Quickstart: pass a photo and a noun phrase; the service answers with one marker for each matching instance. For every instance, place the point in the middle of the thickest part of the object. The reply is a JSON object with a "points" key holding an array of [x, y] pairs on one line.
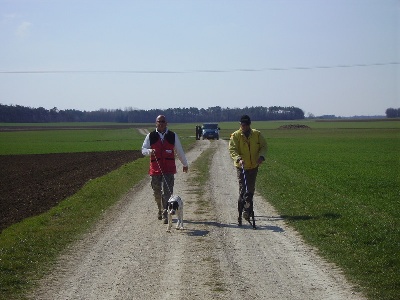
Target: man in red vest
{"points": [[162, 145]]}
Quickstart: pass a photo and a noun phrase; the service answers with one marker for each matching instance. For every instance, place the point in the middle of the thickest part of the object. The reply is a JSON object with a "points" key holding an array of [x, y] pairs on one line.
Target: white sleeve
{"points": [[179, 151], [146, 148]]}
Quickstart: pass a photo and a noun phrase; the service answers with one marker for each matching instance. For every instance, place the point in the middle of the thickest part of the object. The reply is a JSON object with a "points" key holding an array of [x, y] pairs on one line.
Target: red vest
{"points": [[165, 156]]}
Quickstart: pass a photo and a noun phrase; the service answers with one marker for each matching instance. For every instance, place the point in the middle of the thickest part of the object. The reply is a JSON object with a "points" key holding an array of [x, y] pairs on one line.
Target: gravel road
{"points": [[129, 255]]}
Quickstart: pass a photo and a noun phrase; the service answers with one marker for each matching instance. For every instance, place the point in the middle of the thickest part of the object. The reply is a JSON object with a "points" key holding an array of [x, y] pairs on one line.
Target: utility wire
{"points": [[198, 71]]}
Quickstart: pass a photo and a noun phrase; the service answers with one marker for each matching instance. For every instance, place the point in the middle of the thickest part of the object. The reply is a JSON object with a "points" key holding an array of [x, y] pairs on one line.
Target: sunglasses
{"points": [[161, 121]]}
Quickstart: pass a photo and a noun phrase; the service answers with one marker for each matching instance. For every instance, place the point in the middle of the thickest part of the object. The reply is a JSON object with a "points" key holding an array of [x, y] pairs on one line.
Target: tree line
{"points": [[22, 114]]}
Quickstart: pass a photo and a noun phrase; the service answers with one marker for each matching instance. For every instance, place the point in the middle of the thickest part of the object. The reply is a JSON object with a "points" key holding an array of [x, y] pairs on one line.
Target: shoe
{"points": [[159, 216], [165, 221]]}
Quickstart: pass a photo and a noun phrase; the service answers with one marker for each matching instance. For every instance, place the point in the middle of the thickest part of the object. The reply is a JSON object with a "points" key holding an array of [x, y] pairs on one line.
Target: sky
{"points": [[327, 57]]}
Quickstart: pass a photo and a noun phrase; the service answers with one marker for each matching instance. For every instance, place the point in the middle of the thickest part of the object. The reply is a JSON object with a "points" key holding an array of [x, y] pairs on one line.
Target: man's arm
{"points": [[180, 153], [146, 148], [233, 148], [262, 150], [263, 147]]}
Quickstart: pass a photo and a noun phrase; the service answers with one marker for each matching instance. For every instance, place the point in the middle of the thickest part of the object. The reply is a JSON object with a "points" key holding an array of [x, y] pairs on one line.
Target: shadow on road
{"points": [[229, 225]]}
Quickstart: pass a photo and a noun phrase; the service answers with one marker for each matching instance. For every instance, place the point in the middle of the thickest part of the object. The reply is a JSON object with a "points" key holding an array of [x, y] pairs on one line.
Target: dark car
{"points": [[210, 131]]}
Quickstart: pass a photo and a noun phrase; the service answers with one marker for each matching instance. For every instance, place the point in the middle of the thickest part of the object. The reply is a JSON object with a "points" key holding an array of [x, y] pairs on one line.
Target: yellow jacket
{"points": [[248, 149]]}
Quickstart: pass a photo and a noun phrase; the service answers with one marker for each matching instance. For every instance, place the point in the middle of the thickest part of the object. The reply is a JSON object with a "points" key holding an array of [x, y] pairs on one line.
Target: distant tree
{"points": [[393, 113], [311, 116]]}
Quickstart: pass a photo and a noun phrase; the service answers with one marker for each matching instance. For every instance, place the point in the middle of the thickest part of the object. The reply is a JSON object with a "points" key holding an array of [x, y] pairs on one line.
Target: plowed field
{"points": [[32, 184]]}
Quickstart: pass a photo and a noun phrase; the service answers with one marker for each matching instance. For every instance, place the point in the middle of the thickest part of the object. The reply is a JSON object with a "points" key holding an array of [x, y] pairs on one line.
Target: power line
{"points": [[198, 71]]}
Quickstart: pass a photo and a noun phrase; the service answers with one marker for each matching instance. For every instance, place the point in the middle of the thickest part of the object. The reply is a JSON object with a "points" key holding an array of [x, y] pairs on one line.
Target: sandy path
{"points": [[129, 255]]}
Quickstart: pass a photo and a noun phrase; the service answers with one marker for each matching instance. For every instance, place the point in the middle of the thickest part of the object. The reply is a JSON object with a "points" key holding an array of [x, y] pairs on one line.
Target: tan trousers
{"points": [[163, 187]]}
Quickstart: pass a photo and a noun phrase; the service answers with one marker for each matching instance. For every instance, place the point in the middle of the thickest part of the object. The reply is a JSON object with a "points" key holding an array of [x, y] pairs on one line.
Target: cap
{"points": [[245, 119]]}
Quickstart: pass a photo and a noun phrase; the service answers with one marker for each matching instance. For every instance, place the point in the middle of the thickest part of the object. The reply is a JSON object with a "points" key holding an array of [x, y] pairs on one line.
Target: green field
{"points": [[341, 189], [72, 140], [337, 183]]}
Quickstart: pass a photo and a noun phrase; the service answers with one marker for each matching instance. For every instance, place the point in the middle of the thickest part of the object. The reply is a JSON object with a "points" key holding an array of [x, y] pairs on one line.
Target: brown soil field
{"points": [[32, 184]]}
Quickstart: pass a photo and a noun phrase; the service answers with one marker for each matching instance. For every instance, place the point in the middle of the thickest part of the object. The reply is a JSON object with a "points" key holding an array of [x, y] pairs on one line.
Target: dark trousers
{"points": [[247, 179]]}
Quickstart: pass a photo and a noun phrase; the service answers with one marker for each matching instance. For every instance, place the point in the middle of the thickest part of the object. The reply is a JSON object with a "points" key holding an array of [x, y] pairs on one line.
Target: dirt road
{"points": [[131, 256]]}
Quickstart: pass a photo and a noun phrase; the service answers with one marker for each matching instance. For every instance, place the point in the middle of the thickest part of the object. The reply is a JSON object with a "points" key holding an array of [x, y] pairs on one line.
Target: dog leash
{"points": [[162, 173], [244, 177], [249, 204]]}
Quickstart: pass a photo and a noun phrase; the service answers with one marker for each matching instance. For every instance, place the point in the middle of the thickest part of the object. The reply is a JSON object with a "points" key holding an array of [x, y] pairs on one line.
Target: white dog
{"points": [[175, 207]]}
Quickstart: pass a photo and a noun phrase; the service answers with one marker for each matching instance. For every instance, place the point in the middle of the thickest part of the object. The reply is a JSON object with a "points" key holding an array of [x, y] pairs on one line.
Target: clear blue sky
{"points": [[336, 57]]}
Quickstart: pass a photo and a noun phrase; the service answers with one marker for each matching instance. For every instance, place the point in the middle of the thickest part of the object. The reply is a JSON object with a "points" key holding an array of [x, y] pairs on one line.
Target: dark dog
{"points": [[245, 207]]}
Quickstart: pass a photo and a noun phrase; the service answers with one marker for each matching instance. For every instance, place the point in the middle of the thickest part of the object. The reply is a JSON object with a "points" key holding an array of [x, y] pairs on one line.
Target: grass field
{"points": [[337, 183], [340, 187]]}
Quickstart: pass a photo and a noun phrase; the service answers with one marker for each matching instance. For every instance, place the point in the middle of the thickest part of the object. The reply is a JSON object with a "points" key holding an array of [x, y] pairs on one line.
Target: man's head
{"points": [[161, 123], [245, 122]]}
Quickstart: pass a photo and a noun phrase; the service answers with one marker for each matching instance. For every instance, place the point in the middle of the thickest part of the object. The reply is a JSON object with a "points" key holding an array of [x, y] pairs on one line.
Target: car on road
{"points": [[210, 131]]}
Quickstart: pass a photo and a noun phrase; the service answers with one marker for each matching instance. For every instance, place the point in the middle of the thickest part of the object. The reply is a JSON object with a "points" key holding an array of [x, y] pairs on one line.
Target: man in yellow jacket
{"points": [[247, 148]]}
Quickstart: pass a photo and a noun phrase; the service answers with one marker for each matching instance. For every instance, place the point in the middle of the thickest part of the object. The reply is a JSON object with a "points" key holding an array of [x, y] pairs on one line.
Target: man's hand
{"points": [[185, 169], [260, 160]]}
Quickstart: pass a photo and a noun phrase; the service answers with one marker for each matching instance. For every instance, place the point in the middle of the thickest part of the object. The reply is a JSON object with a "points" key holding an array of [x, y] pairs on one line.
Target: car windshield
{"points": [[210, 126]]}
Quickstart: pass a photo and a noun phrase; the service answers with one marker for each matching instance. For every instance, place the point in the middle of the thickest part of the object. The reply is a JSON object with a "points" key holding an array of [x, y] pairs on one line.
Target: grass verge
{"points": [[200, 168], [200, 179]]}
